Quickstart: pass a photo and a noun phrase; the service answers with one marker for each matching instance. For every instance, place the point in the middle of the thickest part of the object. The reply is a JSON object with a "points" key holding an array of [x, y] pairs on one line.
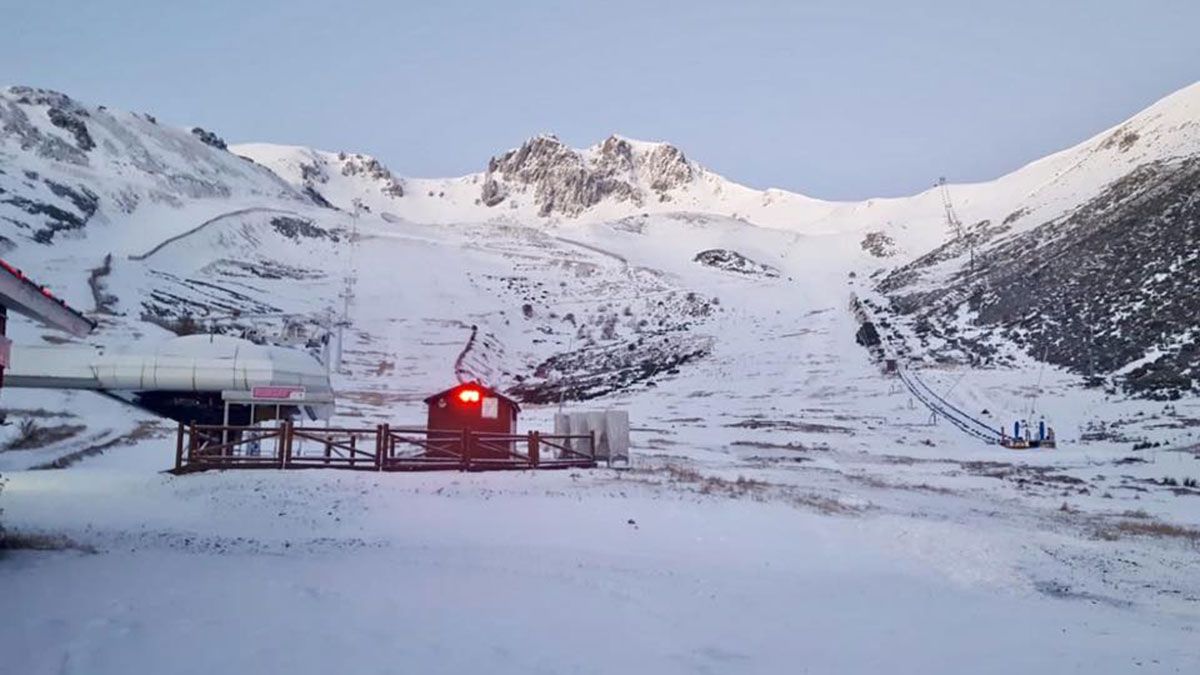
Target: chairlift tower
{"points": [[957, 231], [350, 280]]}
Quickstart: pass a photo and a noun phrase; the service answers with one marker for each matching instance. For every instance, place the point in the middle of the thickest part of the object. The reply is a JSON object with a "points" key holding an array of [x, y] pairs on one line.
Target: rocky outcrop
{"points": [[209, 138], [732, 261], [295, 229], [565, 181], [1108, 290], [354, 164], [879, 244], [63, 112]]}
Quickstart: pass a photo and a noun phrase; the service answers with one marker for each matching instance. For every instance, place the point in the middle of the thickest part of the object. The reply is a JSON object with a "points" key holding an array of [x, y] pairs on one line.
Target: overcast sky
{"points": [[836, 99]]}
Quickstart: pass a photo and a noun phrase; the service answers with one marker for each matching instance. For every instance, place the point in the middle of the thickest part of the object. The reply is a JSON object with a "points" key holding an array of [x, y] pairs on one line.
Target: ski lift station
{"points": [[208, 379]]}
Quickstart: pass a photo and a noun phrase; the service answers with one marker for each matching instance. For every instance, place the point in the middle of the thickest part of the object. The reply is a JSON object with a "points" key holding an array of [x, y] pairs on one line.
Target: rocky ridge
{"points": [[565, 181]]}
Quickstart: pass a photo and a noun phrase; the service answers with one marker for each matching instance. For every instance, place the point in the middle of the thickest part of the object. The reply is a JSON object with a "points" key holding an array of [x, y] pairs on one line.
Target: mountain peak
{"points": [[566, 181]]}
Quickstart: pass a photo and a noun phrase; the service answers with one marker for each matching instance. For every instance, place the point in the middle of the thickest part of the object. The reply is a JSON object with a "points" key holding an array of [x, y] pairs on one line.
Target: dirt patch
{"points": [[39, 413], [873, 481], [36, 541], [905, 460], [684, 477], [1147, 527], [765, 461], [144, 429], [376, 399], [1021, 475], [1062, 591], [793, 447], [791, 425], [31, 435]]}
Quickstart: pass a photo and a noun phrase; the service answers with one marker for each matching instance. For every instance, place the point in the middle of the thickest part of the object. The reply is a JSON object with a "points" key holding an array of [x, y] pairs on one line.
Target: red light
{"points": [[468, 395], [46, 292]]}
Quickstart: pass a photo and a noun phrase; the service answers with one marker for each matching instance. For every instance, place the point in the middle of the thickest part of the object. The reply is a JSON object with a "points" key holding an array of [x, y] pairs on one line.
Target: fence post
{"points": [[466, 449], [382, 433], [285, 444], [535, 438], [191, 446], [592, 444], [179, 448]]}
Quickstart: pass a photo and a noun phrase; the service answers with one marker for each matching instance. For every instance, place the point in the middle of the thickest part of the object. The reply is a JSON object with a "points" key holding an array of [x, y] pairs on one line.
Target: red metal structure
{"points": [[472, 407], [20, 294]]}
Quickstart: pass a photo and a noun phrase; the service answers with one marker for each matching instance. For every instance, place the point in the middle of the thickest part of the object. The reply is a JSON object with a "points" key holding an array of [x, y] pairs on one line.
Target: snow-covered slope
{"points": [[67, 168], [1080, 259], [332, 179], [251, 215]]}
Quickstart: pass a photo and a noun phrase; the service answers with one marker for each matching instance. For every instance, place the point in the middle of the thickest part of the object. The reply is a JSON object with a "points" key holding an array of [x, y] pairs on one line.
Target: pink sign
{"points": [[276, 393]]}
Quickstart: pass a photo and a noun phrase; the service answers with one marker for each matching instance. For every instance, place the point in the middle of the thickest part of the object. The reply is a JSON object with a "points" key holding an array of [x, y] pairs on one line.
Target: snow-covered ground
{"points": [[790, 508], [595, 571]]}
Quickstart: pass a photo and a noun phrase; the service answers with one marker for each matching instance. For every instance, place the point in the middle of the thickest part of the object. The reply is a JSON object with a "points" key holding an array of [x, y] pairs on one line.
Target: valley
{"points": [[778, 470]]}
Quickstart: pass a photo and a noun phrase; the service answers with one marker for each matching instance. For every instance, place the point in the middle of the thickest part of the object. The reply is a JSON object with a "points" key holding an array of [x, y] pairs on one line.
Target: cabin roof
{"points": [[474, 383]]}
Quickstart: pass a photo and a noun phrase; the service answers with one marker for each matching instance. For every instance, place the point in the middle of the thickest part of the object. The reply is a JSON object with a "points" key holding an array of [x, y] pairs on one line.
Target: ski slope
{"points": [[789, 507]]}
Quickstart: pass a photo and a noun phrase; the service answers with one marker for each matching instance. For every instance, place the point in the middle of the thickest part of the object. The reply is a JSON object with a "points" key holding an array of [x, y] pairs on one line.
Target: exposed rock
{"points": [[732, 261], [879, 244], [1107, 289], [564, 181], [317, 198], [295, 228], [73, 122], [71, 211], [354, 164], [867, 335], [493, 192], [16, 124], [209, 138]]}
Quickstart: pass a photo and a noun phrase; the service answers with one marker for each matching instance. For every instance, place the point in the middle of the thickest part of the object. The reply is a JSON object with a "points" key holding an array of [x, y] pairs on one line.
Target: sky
{"points": [[838, 99]]}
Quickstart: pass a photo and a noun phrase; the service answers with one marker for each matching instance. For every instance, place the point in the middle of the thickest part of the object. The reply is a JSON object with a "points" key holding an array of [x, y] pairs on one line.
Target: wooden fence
{"points": [[199, 447]]}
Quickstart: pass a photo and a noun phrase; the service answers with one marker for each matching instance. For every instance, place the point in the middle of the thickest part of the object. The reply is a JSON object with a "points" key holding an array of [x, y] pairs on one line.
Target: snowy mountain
{"points": [[729, 321], [192, 229], [943, 305], [330, 179], [67, 169], [1081, 259], [543, 180]]}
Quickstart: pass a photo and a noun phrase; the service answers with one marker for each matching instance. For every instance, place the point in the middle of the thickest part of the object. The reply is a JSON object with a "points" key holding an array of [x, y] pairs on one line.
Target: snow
{"points": [[310, 572], [860, 538]]}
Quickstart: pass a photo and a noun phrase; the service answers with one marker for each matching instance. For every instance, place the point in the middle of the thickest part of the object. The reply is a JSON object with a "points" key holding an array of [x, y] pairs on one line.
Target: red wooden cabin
{"points": [[473, 407]]}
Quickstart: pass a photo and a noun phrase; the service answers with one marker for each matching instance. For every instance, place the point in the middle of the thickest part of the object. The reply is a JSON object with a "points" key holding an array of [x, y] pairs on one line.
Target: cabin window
{"points": [[491, 407]]}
